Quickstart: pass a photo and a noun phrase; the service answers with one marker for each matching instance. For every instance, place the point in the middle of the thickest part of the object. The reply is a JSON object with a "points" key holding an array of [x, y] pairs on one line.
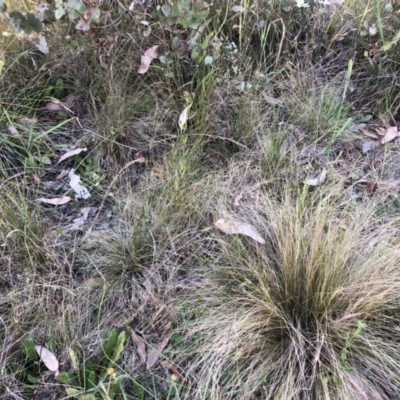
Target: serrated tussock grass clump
{"points": [[311, 314]]}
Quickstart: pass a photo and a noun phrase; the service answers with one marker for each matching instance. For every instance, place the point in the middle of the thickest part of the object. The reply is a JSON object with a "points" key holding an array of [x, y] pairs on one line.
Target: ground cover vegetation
{"points": [[199, 201]]}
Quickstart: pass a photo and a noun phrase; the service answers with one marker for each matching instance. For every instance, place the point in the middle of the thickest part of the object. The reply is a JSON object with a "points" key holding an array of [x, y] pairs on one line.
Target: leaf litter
{"points": [[56, 201], [47, 358], [391, 134], [147, 58], [71, 153], [232, 227], [80, 190], [156, 352], [141, 346]]}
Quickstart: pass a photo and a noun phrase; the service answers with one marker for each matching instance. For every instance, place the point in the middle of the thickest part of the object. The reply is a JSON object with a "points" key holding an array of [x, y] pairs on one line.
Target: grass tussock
{"points": [[267, 113], [310, 314]]}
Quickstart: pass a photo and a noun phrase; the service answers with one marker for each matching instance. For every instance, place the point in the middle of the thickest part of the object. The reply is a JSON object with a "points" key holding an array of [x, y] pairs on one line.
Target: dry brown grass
{"points": [[256, 321], [276, 316]]}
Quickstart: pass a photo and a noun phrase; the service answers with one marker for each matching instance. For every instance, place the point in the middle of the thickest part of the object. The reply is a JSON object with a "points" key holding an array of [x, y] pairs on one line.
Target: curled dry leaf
{"points": [[80, 190], [232, 227], [317, 181], [147, 58], [184, 117], [47, 358], [62, 174], [42, 45], [155, 353], [369, 134], [173, 368], [380, 131], [390, 134], [238, 198], [141, 346], [56, 201], [71, 153]]}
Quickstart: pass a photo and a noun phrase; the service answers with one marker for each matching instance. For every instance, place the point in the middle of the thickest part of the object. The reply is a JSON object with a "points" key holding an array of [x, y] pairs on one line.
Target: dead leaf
{"points": [[238, 198], [237, 9], [62, 174], [80, 190], [390, 134], [369, 189], [147, 58], [380, 131], [71, 153], [365, 147], [84, 216], [85, 212], [317, 181], [140, 160], [232, 227], [56, 201], [53, 106], [369, 134], [42, 45], [47, 358], [44, 160], [12, 129], [173, 368], [184, 117], [156, 352], [53, 185], [141, 346]]}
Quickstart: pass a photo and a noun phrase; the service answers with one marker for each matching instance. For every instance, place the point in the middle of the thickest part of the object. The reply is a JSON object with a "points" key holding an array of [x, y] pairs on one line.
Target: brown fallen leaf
{"points": [[380, 131], [62, 174], [141, 346], [56, 201], [156, 352], [317, 181], [47, 358], [71, 153], [232, 227], [238, 198], [173, 368], [390, 134], [369, 189], [369, 134], [147, 58]]}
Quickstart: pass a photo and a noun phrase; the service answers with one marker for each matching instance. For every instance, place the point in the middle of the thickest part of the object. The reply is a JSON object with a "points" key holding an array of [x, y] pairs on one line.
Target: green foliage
{"points": [[19, 22], [349, 338], [387, 46], [100, 378], [184, 12], [28, 372]]}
